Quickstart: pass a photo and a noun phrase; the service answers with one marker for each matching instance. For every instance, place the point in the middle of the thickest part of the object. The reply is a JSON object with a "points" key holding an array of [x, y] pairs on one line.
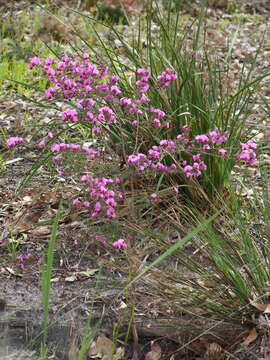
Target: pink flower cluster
{"points": [[106, 115], [75, 78], [212, 137], [194, 170], [131, 107], [70, 115], [22, 259], [103, 196], [248, 155], [166, 77], [119, 244], [183, 145], [13, 141], [92, 154], [159, 114], [61, 147], [144, 77], [139, 160], [35, 61]]}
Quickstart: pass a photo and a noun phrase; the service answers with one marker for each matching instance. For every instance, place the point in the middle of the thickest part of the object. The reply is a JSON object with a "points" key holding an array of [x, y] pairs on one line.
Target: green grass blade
{"points": [[47, 273]]}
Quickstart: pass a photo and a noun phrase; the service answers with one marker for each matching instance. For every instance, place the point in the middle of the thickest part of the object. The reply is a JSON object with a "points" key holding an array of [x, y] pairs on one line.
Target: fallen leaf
{"points": [[41, 231], [9, 162], [88, 272], [262, 307], [214, 352], [155, 353], [13, 272], [101, 348], [71, 278], [252, 336], [27, 199]]}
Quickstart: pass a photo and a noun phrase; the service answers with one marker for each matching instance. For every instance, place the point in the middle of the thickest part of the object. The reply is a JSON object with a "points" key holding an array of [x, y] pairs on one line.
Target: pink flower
{"points": [[50, 135], [206, 147], [156, 122], [248, 155], [115, 90], [106, 115], [56, 148], [166, 77], [144, 99], [86, 204], [34, 62], [120, 196], [111, 202], [216, 137], [125, 101], [49, 93], [41, 143], [143, 72], [110, 213], [155, 154], [56, 159], [76, 202], [85, 178], [142, 83], [13, 141], [113, 79], [251, 144], [222, 152], [153, 197], [97, 207], [119, 244], [49, 61], [196, 157], [139, 160], [96, 130], [202, 138], [195, 169], [70, 114]]}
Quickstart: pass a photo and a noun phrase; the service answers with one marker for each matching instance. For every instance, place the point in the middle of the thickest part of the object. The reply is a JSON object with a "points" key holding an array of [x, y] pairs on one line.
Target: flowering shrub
{"points": [[94, 98]]}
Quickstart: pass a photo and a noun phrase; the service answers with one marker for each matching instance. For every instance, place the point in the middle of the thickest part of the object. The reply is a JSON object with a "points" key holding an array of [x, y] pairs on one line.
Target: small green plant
{"points": [[47, 276], [13, 246]]}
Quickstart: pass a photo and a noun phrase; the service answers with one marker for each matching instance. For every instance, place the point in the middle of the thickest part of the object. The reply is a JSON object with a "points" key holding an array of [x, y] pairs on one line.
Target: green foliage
{"points": [[47, 274], [200, 98]]}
